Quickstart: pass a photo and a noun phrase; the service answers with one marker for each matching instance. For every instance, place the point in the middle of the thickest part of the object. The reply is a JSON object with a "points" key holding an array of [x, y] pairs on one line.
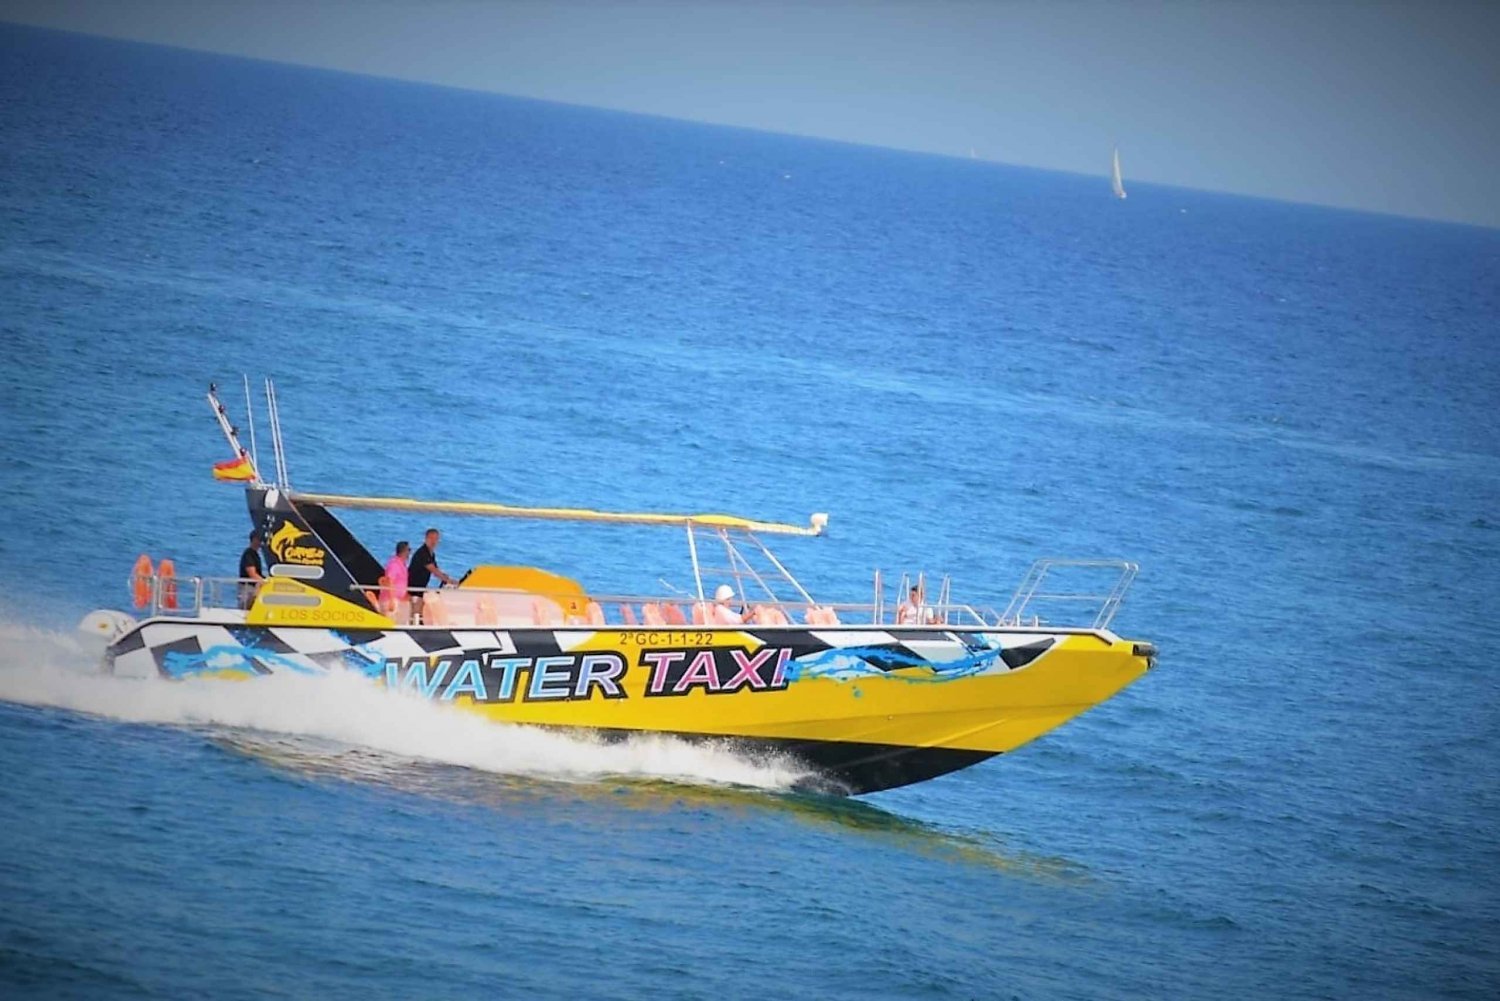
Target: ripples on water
{"points": [[1286, 415]]}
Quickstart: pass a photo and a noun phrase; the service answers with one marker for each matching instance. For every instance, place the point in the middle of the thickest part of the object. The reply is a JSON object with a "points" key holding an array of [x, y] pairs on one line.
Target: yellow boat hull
{"points": [[870, 731], [864, 707]]}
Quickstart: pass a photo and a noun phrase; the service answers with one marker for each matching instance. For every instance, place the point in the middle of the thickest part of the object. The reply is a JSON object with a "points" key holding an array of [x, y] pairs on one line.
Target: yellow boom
{"points": [[815, 525]]}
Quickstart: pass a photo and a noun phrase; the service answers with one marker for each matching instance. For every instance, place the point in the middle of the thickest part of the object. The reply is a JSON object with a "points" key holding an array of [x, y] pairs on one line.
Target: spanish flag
{"points": [[235, 469]]}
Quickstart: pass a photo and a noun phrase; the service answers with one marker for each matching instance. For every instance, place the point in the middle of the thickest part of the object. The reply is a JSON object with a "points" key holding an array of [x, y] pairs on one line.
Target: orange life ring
{"points": [[140, 581], [167, 576]]}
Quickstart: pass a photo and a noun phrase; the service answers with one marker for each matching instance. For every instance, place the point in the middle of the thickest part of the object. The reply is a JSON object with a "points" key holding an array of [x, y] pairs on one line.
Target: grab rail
{"points": [[191, 596], [1030, 591], [611, 606]]}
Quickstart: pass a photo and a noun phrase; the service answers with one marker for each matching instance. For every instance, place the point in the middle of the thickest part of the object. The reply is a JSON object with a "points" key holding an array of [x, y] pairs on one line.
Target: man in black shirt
{"points": [[252, 572], [422, 569]]}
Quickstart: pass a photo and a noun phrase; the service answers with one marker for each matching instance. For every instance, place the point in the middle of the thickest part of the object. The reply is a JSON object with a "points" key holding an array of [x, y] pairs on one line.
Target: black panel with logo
{"points": [[305, 542]]}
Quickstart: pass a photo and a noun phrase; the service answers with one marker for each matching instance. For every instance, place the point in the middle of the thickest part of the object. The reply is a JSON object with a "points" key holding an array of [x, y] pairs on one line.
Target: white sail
{"points": [[1115, 182]]}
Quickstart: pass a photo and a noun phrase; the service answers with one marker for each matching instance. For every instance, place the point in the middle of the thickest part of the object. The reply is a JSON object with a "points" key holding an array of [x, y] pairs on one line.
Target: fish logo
{"points": [[285, 536], [284, 544]]}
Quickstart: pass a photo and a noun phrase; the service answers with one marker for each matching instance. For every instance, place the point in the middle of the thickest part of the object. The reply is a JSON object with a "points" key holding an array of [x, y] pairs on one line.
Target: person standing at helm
{"points": [[252, 571], [423, 568]]}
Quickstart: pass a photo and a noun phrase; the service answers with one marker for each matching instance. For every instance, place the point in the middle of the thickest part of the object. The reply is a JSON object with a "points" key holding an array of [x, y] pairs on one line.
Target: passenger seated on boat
{"points": [[721, 613], [252, 572], [913, 612]]}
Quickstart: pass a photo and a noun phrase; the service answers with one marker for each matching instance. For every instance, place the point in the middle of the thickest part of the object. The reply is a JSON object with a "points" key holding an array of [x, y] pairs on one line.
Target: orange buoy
{"points": [[140, 581], [167, 574]]}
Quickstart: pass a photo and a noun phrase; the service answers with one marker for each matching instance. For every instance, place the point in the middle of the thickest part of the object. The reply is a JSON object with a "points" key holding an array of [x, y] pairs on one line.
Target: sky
{"points": [[1376, 106]]}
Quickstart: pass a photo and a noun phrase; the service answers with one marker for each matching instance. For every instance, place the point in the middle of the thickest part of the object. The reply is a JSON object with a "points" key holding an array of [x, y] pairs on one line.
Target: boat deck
{"points": [[1037, 602]]}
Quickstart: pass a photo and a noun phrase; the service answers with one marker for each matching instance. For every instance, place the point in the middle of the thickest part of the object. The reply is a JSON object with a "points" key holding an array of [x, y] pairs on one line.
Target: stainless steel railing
{"points": [[1044, 597], [1046, 584], [678, 610], [186, 596]]}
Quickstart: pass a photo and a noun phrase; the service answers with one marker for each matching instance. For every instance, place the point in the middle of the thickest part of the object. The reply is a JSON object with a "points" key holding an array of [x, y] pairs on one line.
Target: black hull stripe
{"points": [[842, 767]]}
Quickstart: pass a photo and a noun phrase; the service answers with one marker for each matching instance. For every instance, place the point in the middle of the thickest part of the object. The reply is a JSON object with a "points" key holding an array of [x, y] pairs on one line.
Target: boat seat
{"points": [[700, 614], [651, 615], [545, 613], [594, 614], [673, 615], [484, 613], [821, 617], [770, 615], [435, 610], [627, 613]]}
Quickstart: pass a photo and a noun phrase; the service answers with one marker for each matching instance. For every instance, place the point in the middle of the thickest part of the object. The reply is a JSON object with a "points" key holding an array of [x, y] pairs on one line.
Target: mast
{"points": [[231, 433], [816, 525], [250, 418]]}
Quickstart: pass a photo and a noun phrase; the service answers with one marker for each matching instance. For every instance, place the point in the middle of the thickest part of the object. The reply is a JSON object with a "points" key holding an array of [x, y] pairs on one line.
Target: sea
{"points": [[1285, 414]]}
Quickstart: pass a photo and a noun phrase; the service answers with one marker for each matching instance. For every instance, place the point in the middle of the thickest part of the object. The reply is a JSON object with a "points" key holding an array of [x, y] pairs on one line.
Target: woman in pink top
{"points": [[393, 584]]}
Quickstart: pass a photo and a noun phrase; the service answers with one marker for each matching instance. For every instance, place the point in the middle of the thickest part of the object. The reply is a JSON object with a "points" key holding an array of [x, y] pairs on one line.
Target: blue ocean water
{"points": [[1284, 413]]}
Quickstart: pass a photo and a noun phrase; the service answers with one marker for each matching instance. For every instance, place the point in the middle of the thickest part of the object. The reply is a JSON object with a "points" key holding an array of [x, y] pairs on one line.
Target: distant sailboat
{"points": [[1114, 179]]}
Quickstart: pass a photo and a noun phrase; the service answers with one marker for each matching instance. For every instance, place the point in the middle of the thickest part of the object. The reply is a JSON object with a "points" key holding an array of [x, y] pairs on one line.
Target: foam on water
{"points": [[43, 667], [1284, 414]]}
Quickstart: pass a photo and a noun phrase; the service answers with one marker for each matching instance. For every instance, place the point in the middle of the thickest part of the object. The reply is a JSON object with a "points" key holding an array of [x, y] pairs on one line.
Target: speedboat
{"points": [[865, 695]]}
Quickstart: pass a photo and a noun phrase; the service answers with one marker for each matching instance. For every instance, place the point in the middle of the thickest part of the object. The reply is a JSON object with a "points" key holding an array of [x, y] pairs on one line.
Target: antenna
{"points": [[250, 416], [273, 415], [231, 435]]}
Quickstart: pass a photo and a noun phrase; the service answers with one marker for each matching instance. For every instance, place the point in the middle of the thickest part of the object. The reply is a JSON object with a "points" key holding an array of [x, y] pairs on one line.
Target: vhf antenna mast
{"points": [[231, 433]]}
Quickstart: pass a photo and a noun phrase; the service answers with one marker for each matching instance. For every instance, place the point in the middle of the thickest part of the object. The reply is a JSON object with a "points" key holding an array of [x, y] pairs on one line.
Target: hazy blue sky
{"points": [[1390, 107]]}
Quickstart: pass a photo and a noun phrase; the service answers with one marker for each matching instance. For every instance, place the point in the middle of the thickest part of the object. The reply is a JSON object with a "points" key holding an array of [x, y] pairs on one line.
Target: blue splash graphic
{"points": [[241, 659], [852, 663], [362, 657]]}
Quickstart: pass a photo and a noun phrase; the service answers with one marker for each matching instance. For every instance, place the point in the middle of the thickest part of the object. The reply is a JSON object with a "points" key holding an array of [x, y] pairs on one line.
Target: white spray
{"points": [[41, 667]]}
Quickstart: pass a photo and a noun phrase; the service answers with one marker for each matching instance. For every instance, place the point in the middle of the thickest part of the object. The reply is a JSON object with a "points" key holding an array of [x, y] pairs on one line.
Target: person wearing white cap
{"points": [[723, 614]]}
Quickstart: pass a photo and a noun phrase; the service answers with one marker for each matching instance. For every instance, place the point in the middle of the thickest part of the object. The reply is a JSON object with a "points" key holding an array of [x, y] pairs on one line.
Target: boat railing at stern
{"points": [[158, 594], [1065, 585]]}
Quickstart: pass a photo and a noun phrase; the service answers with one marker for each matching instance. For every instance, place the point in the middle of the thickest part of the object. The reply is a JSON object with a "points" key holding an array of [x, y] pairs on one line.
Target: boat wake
{"points": [[326, 716]]}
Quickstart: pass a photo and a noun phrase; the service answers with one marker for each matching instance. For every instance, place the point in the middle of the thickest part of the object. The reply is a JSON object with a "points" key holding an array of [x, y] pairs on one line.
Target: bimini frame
{"points": [[719, 526], [723, 527]]}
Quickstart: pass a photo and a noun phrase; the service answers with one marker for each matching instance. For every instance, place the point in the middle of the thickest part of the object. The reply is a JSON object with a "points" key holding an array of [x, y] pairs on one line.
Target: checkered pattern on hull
{"points": [[179, 649]]}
